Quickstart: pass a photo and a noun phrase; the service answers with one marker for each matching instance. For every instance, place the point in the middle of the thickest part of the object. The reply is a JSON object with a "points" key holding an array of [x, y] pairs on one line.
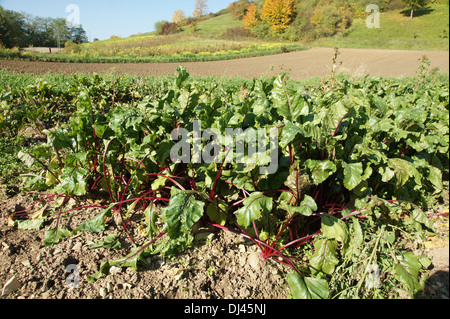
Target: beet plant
{"points": [[358, 165]]}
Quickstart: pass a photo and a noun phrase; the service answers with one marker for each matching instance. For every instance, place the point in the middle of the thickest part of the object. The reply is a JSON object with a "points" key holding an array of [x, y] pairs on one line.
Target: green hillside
{"points": [[429, 30], [218, 25]]}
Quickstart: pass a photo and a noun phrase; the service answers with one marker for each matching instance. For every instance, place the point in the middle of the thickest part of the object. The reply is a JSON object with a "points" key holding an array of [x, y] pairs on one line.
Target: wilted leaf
{"points": [[111, 241], [54, 236], [96, 224], [33, 224]]}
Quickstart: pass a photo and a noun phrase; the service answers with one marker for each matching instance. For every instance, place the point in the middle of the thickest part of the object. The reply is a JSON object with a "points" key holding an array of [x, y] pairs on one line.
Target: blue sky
{"points": [[103, 18]]}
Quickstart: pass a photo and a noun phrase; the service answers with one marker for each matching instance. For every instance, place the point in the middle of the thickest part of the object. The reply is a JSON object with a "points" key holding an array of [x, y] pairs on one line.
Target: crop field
{"points": [[158, 49], [335, 186]]}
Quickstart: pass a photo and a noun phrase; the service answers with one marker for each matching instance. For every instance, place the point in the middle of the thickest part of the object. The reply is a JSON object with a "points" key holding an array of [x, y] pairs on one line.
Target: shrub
{"points": [[329, 19], [236, 33], [239, 8], [170, 28], [159, 26], [71, 47], [262, 30]]}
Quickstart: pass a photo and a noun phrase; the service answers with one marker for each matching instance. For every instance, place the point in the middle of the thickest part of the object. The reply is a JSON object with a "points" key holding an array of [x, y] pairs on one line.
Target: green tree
{"points": [[416, 4], [60, 31], [22, 30], [78, 35], [159, 26], [12, 26]]}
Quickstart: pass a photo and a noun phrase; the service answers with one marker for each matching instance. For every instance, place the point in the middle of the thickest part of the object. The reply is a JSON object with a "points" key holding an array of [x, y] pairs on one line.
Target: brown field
{"points": [[300, 65]]}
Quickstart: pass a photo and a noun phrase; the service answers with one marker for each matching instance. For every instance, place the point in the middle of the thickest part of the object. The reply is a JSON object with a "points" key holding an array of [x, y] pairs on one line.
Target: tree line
{"points": [[292, 20], [309, 19], [24, 30]]}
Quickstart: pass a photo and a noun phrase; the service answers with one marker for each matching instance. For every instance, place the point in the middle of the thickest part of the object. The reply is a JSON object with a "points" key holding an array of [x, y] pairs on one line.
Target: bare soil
{"points": [[300, 65], [221, 265]]}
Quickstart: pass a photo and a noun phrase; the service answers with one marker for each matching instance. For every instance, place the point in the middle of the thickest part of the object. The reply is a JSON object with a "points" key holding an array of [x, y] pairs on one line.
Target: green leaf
{"points": [[54, 236], [320, 170], [104, 270], [435, 177], [419, 216], [352, 175], [307, 288], [401, 170], [59, 138], [290, 132], [26, 158], [217, 214], [386, 174], [407, 272], [73, 181], [163, 152], [182, 76], [100, 129], [334, 228], [308, 206], [324, 259], [132, 260], [280, 98], [96, 224], [288, 104], [182, 213], [297, 180], [356, 239], [334, 116], [151, 217], [254, 206], [159, 182], [111, 241]]}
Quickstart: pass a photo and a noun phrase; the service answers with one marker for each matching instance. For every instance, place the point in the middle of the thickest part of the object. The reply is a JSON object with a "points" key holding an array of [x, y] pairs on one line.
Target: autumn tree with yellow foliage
{"points": [[251, 18], [278, 14], [179, 16], [201, 8]]}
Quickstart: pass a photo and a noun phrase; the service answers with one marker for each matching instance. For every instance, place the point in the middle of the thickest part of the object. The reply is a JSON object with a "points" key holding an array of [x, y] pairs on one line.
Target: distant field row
{"points": [[174, 48]]}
